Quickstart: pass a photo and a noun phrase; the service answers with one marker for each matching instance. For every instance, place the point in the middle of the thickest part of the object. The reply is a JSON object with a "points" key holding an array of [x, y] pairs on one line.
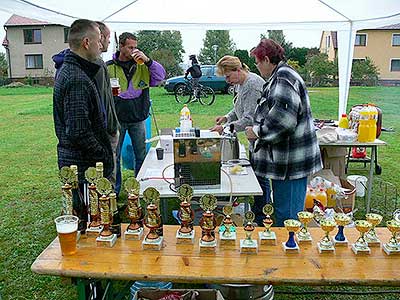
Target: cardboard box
{"points": [[155, 294]]}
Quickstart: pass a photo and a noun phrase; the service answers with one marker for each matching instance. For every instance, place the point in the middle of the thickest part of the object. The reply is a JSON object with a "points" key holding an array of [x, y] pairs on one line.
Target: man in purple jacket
{"points": [[136, 73]]}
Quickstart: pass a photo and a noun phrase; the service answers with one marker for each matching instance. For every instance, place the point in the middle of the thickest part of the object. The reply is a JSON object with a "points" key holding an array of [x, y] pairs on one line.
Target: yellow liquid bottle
{"points": [[363, 127], [343, 122]]}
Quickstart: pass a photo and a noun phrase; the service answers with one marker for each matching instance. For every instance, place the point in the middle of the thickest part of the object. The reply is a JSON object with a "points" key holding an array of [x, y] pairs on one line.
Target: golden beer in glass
{"points": [[67, 227]]}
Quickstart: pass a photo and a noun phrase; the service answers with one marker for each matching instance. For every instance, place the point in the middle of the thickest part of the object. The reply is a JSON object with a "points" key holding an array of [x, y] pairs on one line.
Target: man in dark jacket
{"points": [[195, 72], [80, 118]]}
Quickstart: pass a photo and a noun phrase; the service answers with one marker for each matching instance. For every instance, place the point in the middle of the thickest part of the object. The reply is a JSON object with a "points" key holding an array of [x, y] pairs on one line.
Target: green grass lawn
{"points": [[30, 194]]}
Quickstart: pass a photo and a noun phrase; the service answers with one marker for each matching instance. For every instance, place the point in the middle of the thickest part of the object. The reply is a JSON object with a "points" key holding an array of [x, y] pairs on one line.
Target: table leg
{"points": [[81, 285], [370, 178]]}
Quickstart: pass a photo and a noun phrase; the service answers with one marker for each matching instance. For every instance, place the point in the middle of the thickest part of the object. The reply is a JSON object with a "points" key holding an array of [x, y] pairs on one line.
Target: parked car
{"points": [[209, 78]]}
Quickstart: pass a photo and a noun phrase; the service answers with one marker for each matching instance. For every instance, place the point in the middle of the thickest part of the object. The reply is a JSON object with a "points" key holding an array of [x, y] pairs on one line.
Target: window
{"points": [[395, 65], [358, 60], [396, 39], [207, 71], [66, 34], [32, 36], [361, 40], [34, 61], [328, 42]]}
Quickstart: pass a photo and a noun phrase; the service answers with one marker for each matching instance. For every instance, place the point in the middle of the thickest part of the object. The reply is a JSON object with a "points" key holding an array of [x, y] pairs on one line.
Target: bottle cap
{"points": [[344, 116]]}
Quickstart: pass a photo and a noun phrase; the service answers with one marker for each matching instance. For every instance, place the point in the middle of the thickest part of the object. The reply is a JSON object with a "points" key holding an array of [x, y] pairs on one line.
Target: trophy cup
{"points": [[393, 246], [94, 227], [326, 243], [227, 231], [304, 236], [185, 234], [152, 220], [67, 177], [292, 226], [106, 237], [248, 245], [267, 237], [361, 246], [207, 241], [341, 220], [370, 237], [134, 231]]}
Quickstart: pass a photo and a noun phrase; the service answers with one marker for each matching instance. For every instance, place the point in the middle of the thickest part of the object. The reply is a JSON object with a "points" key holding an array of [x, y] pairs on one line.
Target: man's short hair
{"points": [[79, 30], [103, 27], [125, 36]]}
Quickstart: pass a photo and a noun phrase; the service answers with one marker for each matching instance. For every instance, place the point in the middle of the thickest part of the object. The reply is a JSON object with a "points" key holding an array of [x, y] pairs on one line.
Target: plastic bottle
{"points": [[363, 128], [343, 122], [322, 197], [331, 195], [309, 203], [185, 119], [372, 124]]}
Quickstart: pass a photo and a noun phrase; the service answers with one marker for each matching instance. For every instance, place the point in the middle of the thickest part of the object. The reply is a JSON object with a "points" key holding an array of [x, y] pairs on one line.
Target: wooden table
{"points": [[184, 263]]}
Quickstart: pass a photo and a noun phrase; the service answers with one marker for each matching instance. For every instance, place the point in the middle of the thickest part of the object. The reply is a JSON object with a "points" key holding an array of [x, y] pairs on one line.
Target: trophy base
{"points": [[227, 240], [373, 243], [389, 251], [207, 246], [94, 231], [304, 239], [344, 243], [248, 248], [108, 241], [269, 239], [135, 235], [360, 251], [290, 249], [325, 249], [153, 244], [185, 238]]}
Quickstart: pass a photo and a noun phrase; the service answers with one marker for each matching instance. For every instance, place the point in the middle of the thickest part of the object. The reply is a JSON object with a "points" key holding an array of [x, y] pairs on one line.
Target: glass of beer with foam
{"points": [[67, 227]]}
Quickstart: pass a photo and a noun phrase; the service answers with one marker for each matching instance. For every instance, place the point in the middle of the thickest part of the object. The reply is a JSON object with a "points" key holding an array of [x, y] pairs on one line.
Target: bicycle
{"points": [[184, 93]]}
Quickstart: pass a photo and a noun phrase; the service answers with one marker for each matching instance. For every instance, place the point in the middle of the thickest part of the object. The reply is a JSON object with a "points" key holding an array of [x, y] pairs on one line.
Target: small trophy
{"points": [[185, 234], [361, 246], [326, 243], [94, 227], [152, 220], [267, 237], [341, 220], [292, 226], [106, 237], [393, 246], [134, 211], [227, 231], [207, 241], [67, 177], [305, 217], [370, 237], [248, 245]]}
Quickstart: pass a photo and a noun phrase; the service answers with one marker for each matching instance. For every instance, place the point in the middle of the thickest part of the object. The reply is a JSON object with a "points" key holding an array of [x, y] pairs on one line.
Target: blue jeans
{"points": [[260, 201], [288, 197], [137, 133]]}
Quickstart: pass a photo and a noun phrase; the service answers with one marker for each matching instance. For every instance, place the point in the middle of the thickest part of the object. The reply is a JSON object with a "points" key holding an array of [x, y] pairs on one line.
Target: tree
{"points": [[320, 71], [300, 54], [3, 65], [364, 72], [279, 37], [244, 57], [167, 59], [223, 46]]}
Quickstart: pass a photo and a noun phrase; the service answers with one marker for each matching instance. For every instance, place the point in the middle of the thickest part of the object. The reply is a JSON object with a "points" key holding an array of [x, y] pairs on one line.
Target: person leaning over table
{"points": [[248, 88], [286, 148]]}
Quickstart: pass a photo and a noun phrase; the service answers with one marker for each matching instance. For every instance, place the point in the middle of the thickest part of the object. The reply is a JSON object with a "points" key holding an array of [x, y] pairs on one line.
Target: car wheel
{"points": [[230, 89]]}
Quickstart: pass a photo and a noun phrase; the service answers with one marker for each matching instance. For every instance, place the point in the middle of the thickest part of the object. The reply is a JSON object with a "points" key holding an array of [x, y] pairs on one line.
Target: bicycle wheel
{"points": [[207, 95], [183, 94]]}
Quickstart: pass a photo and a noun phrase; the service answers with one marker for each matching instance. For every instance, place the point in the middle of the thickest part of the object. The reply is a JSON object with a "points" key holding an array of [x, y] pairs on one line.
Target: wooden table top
{"points": [[184, 263]]}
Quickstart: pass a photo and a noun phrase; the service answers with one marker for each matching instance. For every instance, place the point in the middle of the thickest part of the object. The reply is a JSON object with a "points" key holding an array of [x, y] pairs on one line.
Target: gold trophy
{"points": [[248, 245], [371, 237], [326, 243], [185, 234], [152, 220], [134, 211], [361, 246], [393, 246], [304, 236], [267, 237], [106, 237], [207, 241], [341, 220], [292, 226], [227, 231], [67, 177], [94, 227]]}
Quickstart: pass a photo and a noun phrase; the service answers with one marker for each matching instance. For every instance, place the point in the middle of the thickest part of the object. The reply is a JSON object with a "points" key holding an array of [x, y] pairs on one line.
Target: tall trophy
{"points": [[393, 246], [67, 177], [94, 227], [207, 241], [292, 226], [152, 220], [185, 234], [341, 220], [267, 237], [227, 230], [326, 243], [361, 245], [248, 245], [370, 237], [305, 217], [106, 237], [134, 211]]}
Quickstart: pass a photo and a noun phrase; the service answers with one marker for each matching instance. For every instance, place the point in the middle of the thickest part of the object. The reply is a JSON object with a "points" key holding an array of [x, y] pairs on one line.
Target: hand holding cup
{"points": [[139, 57]]}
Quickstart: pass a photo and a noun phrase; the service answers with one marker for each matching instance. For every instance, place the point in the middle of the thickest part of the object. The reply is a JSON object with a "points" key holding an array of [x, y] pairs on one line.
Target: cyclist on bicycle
{"points": [[195, 72]]}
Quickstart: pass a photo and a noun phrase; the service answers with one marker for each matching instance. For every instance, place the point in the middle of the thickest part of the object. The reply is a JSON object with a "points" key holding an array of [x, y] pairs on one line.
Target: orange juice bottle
{"points": [[321, 196], [331, 195], [310, 195], [363, 128], [343, 122]]}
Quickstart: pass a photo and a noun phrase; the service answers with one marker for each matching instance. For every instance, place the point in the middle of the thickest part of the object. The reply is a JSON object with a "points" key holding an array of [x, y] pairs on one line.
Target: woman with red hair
{"points": [[286, 148]]}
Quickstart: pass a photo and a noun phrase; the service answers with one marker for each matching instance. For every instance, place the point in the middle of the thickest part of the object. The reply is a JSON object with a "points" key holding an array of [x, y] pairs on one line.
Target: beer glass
{"points": [[115, 87], [138, 60], [67, 227]]}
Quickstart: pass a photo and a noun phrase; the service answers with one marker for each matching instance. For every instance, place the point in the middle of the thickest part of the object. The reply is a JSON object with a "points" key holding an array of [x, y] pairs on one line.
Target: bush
{"points": [[364, 72]]}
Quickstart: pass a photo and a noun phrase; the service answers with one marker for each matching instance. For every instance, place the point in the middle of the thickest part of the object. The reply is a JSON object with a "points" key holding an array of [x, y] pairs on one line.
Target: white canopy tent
{"points": [[343, 16]]}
